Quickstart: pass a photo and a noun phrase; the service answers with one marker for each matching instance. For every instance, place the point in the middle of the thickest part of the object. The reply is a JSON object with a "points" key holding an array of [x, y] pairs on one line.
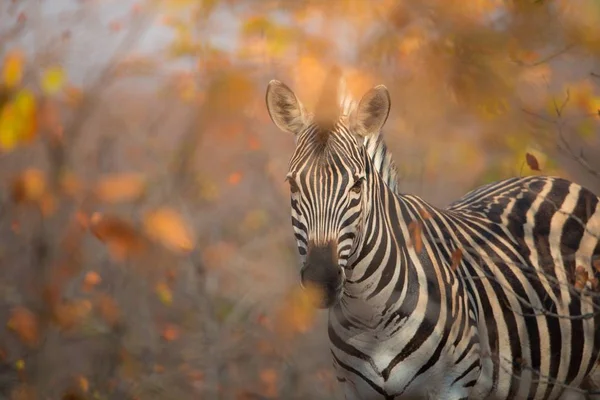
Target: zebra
{"points": [[493, 297]]}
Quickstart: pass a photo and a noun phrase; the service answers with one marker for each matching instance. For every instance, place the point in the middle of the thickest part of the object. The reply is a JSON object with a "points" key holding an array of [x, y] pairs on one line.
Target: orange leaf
{"points": [[48, 204], [269, 378], [424, 213], [170, 333], [70, 313], [234, 178], [108, 309], [25, 324], [90, 280], [120, 236], [456, 259], [84, 384], [120, 188], [29, 186], [415, 229], [532, 162], [166, 226], [12, 71]]}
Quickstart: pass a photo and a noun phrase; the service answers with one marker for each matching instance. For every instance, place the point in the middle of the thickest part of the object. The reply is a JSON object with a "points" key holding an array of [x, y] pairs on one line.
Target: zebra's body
{"points": [[473, 301], [487, 350]]}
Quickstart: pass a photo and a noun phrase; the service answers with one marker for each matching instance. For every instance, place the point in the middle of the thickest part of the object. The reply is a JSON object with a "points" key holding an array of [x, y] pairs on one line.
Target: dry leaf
{"points": [[424, 213], [170, 333], [91, 280], [164, 293], [120, 188], [84, 384], [108, 309], [234, 178], [532, 162], [23, 391], [69, 314], [166, 227], [25, 325], [119, 235], [456, 259], [269, 378], [581, 277], [415, 229], [29, 186], [12, 70]]}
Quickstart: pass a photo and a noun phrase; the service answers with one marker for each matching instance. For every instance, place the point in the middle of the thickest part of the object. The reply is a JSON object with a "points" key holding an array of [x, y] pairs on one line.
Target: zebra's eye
{"points": [[357, 187], [293, 187]]}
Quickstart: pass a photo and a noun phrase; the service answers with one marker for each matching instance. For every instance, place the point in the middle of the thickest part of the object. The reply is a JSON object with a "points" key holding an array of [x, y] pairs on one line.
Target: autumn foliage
{"points": [[146, 250]]}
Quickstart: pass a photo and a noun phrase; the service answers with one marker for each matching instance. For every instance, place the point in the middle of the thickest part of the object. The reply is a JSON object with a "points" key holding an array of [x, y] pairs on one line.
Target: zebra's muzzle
{"points": [[322, 272]]}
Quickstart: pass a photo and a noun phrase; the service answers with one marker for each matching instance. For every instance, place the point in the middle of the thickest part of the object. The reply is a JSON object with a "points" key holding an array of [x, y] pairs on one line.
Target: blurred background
{"points": [[146, 250]]}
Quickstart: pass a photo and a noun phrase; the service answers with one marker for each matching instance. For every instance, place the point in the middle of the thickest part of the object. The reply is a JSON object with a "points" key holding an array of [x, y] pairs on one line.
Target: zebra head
{"points": [[330, 175]]}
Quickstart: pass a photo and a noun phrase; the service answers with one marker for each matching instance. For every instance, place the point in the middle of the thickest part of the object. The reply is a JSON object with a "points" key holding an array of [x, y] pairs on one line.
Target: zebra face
{"points": [[329, 182]]}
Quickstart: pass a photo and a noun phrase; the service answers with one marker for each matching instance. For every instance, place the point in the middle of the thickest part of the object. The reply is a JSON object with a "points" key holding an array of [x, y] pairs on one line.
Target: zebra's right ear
{"points": [[285, 109], [372, 112]]}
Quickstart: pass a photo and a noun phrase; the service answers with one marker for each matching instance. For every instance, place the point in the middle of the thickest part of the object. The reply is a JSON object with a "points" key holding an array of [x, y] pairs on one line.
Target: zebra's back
{"points": [[530, 245]]}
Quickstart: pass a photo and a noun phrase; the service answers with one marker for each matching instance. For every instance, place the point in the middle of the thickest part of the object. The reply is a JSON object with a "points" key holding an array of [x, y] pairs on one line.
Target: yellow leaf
{"points": [[20, 365], [12, 71], [164, 293], [166, 226], [9, 128], [594, 105], [26, 109], [25, 102], [18, 120], [53, 80]]}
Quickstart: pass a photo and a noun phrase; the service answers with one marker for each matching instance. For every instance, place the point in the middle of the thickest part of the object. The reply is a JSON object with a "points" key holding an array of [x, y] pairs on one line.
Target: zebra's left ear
{"points": [[286, 111], [372, 112]]}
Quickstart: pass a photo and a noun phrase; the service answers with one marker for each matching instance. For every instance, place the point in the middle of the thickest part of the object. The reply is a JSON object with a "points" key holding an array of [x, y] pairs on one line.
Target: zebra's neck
{"points": [[384, 256], [382, 160]]}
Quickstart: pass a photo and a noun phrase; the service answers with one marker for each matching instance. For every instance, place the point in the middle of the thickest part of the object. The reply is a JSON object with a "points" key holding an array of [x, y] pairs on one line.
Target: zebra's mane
{"points": [[375, 145]]}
